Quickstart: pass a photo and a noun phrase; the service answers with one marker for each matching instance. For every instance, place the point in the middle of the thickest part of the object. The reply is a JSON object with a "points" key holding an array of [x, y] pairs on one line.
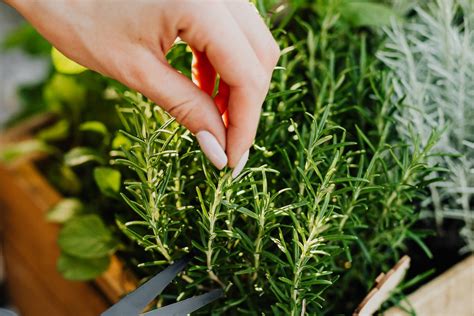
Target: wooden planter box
{"points": [[450, 294], [30, 249]]}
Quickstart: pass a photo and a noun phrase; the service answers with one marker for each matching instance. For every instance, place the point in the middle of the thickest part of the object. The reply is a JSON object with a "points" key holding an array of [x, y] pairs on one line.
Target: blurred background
{"points": [[17, 68], [30, 283]]}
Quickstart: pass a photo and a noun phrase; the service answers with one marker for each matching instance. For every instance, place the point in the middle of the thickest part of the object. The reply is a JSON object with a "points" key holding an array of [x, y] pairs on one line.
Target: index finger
{"points": [[216, 33]]}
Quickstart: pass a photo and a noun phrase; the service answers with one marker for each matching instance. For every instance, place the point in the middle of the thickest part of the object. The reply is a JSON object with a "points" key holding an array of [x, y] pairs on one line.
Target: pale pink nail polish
{"points": [[212, 149], [240, 165]]}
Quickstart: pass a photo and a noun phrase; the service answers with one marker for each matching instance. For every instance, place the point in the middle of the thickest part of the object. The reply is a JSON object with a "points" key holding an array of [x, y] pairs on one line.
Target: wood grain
{"points": [[450, 294]]}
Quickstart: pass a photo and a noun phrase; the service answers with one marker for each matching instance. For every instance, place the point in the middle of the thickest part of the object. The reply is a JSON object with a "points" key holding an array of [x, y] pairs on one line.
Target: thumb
{"points": [[183, 100]]}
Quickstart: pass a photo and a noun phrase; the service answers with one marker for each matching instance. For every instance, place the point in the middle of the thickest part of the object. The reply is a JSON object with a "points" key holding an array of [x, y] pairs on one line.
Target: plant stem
{"points": [[259, 243], [155, 215], [213, 215]]}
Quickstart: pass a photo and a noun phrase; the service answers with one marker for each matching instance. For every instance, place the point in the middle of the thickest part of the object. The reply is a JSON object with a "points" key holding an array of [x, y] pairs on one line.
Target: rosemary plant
{"points": [[432, 63], [329, 192]]}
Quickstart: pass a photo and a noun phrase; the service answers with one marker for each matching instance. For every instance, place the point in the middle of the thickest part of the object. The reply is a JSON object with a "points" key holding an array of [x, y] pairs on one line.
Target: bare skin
{"points": [[128, 41]]}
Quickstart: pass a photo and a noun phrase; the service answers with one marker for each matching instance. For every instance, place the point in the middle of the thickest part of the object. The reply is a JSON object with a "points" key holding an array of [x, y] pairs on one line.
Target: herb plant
{"points": [[327, 202], [329, 193], [432, 70], [77, 143]]}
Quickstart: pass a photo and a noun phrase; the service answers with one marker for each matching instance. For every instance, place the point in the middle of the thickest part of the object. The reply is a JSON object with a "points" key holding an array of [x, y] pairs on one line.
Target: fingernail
{"points": [[240, 165], [212, 149]]}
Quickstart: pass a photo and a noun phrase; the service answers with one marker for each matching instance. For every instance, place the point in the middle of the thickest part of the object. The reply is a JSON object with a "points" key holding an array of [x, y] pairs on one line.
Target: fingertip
{"points": [[241, 131], [241, 164], [237, 147], [212, 149]]}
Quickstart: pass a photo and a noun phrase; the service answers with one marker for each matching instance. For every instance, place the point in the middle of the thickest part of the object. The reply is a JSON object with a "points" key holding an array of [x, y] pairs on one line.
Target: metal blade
{"points": [[187, 306], [134, 303]]}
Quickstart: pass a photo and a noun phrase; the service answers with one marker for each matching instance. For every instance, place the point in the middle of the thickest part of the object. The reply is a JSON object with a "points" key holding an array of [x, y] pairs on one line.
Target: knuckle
{"points": [[139, 76], [183, 110], [132, 76]]}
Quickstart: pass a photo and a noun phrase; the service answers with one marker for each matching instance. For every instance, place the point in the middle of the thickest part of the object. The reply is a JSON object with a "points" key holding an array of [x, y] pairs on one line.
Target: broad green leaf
{"points": [[86, 237], [14, 151], [108, 180], [64, 210], [80, 269], [57, 131], [65, 65], [64, 92], [81, 155], [367, 13], [94, 126]]}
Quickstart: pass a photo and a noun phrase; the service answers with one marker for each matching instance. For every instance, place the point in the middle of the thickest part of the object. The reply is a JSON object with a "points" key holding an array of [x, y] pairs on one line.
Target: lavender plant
{"points": [[432, 69]]}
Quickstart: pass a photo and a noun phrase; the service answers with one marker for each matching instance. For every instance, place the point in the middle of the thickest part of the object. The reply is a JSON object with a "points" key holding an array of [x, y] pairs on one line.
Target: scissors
{"points": [[135, 302]]}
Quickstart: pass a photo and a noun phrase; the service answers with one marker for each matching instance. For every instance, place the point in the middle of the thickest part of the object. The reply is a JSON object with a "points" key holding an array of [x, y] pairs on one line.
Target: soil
{"points": [[444, 245]]}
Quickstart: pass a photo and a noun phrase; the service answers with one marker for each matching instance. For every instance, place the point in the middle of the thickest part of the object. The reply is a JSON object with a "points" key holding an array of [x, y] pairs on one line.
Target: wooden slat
{"points": [[385, 283], [26, 128], [116, 281], [450, 294]]}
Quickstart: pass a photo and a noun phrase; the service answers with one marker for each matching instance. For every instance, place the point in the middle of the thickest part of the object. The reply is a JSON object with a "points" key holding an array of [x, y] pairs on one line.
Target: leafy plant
{"points": [[327, 202], [86, 244], [432, 70], [65, 210], [76, 143]]}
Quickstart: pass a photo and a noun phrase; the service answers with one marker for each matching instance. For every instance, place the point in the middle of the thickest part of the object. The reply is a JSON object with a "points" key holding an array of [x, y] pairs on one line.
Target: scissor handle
{"points": [[187, 306], [135, 302]]}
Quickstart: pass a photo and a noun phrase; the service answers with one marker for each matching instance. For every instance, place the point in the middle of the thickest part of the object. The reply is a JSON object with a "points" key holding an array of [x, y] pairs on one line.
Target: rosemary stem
{"points": [[154, 210], [213, 215]]}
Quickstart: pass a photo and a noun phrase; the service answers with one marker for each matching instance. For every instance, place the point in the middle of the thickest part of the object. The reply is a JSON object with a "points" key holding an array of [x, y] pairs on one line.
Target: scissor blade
{"points": [[187, 306], [134, 303]]}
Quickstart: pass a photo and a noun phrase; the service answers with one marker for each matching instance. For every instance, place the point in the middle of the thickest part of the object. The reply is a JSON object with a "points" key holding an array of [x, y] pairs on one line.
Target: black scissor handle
{"points": [[135, 302], [187, 306]]}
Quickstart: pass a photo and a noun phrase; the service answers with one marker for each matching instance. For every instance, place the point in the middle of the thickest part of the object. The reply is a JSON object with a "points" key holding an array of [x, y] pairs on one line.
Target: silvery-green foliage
{"points": [[432, 62], [404, 6]]}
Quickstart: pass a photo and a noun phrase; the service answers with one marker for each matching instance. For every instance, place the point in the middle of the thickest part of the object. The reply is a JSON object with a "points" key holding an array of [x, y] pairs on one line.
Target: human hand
{"points": [[128, 41]]}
